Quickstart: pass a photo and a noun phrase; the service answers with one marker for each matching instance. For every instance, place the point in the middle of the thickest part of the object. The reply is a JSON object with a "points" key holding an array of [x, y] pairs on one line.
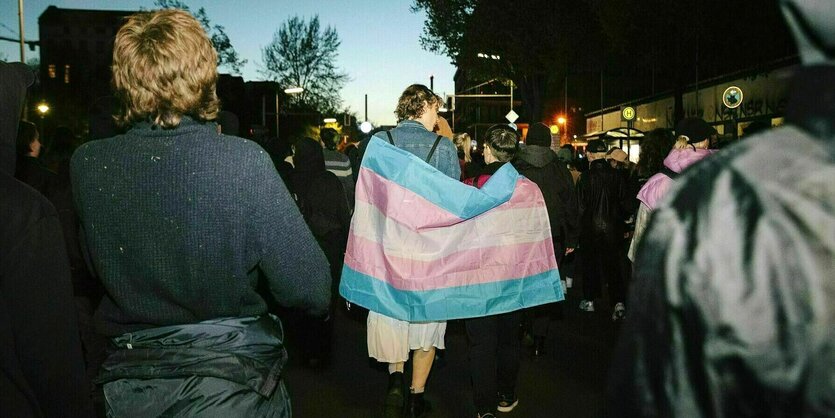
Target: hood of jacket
{"points": [[679, 159], [308, 163], [14, 79], [536, 155]]}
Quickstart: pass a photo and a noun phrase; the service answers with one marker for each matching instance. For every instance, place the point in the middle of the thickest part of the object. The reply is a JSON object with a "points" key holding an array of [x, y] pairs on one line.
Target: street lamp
{"points": [[288, 90], [561, 120], [43, 108]]}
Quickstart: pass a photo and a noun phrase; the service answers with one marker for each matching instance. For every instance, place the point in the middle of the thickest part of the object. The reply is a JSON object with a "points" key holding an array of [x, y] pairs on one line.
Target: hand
{"points": [[569, 250]]}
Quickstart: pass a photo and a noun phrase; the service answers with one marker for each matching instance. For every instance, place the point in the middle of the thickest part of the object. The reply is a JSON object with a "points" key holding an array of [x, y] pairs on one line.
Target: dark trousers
{"points": [[603, 260], [544, 314], [494, 357]]}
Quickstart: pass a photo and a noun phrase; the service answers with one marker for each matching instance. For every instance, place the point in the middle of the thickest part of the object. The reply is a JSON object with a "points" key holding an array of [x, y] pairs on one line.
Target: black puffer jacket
{"points": [[603, 202], [541, 166], [733, 304], [227, 367]]}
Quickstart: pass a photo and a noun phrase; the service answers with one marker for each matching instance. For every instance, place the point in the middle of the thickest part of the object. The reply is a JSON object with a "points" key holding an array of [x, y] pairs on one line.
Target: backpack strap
{"points": [[391, 140], [667, 172], [435, 145]]}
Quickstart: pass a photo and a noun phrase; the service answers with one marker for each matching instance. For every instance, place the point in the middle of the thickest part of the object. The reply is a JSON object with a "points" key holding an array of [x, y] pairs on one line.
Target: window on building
{"points": [[67, 74], [51, 70]]}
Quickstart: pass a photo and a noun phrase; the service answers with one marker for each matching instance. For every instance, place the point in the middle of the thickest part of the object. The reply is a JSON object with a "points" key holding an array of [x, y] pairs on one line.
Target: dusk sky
{"points": [[380, 41]]}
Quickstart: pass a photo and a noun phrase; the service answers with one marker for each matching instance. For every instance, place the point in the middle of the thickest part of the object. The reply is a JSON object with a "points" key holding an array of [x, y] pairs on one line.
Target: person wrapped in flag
{"points": [[425, 248]]}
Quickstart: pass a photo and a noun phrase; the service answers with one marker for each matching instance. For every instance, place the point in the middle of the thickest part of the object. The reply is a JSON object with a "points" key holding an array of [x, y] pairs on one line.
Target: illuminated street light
{"points": [[488, 56], [43, 108], [329, 120], [561, 120], [555, 129], [294, 90]]}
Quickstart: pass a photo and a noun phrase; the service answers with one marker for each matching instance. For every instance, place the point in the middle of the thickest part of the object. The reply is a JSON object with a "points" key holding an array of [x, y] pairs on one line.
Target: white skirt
{"points": [[390, 340]]}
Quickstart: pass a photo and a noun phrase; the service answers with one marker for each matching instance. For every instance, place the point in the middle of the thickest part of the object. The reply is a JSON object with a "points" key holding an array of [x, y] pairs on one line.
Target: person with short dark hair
{"points": [[181, 236], [322, 202], [338, 163], [539, 163], [493, 340], [29, 168], [227, 123], [603, 207]]}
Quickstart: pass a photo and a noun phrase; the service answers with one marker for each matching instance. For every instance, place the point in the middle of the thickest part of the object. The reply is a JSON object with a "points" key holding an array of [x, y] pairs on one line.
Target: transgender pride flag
{"points": [[425, 247]]}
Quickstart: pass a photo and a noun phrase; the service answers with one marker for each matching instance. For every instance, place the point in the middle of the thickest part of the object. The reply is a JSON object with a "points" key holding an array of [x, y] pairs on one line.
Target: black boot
{"points": [[418, 407], [395, 397]]}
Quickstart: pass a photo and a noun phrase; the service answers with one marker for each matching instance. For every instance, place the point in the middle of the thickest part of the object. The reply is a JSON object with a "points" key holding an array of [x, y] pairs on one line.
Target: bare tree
{"points": [[302, 54]]}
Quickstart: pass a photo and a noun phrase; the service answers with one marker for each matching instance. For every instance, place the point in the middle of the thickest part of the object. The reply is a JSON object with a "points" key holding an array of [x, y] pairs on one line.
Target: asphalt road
{"points": [[568, 381]]}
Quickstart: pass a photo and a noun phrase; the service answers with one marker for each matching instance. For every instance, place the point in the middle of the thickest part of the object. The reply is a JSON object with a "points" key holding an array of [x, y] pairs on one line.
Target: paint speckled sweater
{"points": [[180, 224]]}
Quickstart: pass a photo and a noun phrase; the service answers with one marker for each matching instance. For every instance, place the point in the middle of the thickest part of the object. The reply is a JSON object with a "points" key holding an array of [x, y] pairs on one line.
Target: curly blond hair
{"points": [[413, 100], [164, 68]]}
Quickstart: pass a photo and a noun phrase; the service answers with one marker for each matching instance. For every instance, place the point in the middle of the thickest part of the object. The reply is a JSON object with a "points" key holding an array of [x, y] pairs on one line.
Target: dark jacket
{"points": [[247, 353], [41, 366], [540, 165], [487, 171], [32, 172], [602, 202], [320, 193], [732, 303], [178, 233]]}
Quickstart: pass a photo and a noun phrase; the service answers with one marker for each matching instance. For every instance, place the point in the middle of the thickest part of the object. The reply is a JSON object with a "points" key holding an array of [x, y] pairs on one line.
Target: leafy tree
{"points": [[34, 64], [535, 40], [302, 54], [226, 54]]}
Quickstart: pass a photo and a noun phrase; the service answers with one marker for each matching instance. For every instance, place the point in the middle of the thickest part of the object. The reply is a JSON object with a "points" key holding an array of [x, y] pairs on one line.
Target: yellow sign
{"points": [[628, 113]]}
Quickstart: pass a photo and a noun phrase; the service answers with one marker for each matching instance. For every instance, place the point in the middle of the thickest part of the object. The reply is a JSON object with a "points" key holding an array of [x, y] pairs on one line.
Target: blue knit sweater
{"points": [[181, 223]]}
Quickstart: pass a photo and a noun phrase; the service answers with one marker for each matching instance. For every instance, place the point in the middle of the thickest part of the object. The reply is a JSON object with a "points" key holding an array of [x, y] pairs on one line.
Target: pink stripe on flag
{"points": [[466, 267], [382, 193]]}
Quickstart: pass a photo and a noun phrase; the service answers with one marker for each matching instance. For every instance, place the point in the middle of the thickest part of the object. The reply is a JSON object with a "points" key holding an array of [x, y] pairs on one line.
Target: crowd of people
{"points": [[138, 272]]}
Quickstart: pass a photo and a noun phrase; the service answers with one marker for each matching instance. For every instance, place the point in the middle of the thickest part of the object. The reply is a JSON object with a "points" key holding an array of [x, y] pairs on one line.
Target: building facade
{"points": [[76, 54]]}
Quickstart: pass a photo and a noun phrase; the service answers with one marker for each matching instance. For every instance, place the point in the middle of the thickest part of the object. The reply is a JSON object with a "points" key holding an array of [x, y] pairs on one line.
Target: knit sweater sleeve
{"points": [[296, 268]]}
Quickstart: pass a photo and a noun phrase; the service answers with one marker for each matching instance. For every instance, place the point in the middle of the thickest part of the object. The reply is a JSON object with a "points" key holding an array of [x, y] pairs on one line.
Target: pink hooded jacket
{"points": [[677, 160]]}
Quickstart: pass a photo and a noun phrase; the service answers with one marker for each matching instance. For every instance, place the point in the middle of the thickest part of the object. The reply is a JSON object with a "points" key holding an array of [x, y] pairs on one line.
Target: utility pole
{"points": [[366, 107], [20, 23], [432, 83], [565, 102]]}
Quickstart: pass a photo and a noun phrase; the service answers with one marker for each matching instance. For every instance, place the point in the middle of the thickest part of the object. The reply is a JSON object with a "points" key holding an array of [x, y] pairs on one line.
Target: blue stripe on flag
{"points": [[453, 302], [409, 171]]}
